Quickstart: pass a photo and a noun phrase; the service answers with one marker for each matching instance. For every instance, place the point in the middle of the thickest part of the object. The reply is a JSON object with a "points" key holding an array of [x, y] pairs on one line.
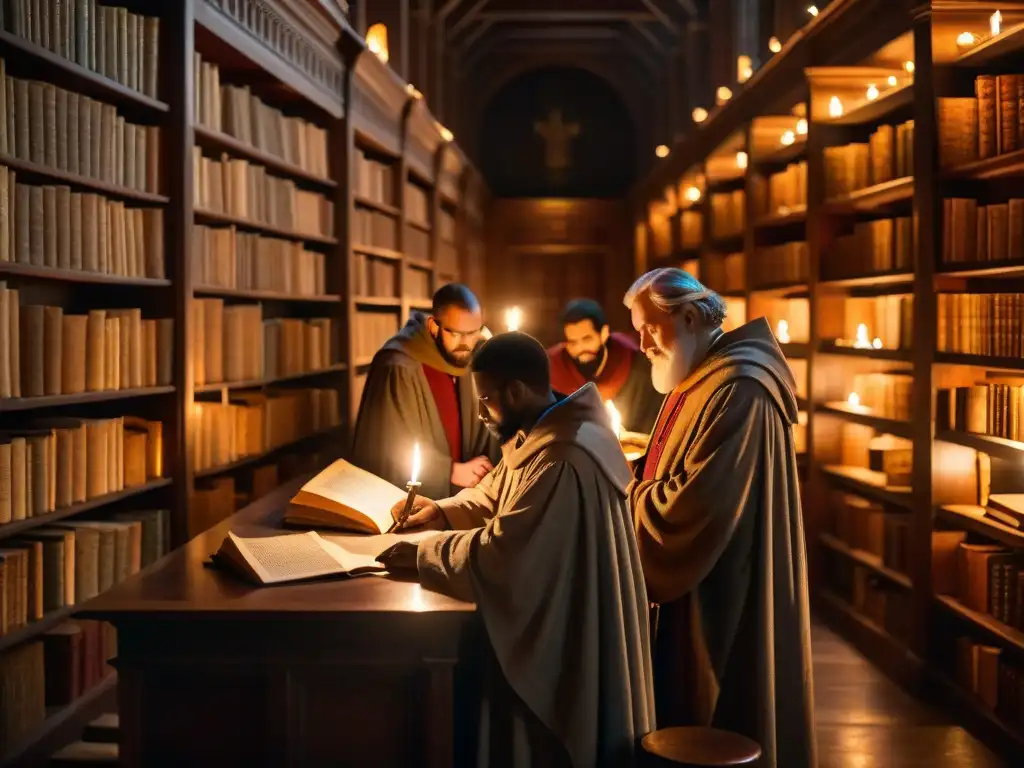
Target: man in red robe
{"points": [[419, 391], [716, 505], [591, 352]]}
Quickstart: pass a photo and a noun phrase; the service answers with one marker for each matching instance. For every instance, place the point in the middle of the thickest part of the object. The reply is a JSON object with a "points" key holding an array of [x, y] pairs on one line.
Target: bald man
{"points": [[544, 546]]}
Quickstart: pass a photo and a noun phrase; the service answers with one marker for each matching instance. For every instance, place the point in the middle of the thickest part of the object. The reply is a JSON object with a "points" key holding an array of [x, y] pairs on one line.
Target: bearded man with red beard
{"points": [[613, 361], [716, 505]]}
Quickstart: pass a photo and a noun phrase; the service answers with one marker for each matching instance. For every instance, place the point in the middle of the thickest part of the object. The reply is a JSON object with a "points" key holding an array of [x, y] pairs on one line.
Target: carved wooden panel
{"points": [[423, 140], [378, 101], [296, 34], [452, 168]]}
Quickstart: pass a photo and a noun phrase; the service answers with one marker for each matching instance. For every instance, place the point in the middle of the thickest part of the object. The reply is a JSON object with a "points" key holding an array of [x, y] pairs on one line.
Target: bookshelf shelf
{"points": [[874, 198], [35, 628], [977, 717], [423, 227], [980, 361], [32, 271], [379, 301], [990, 52], [997, 447], [900, 97], [212, 139], [243, 293], [43, 174], [990, 529], [889, 426], [365, 202], [1005, 166], [214, 217], [1008, 268], [257, 383], [859, 482], [831, 348], [425, 264], [996, 630], [9, 404], [788, 218], [868, 281], [256, 458], [873, 562], [78, 77], [18, 527], [378, 253]]}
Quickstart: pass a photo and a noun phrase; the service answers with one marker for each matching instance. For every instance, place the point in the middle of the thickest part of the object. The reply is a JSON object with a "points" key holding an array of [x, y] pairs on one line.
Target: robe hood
{"points": [[751, 351], [415, 341], [580, 419]]}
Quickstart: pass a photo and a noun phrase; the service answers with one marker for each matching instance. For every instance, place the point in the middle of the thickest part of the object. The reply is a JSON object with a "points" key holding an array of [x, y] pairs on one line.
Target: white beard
{"points": [[667, 372]]}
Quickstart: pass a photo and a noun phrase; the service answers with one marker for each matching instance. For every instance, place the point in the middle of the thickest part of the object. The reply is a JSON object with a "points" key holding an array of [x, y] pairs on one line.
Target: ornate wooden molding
{"points": [[290, 37], [453, 166], [379, 99], [422, 137]]}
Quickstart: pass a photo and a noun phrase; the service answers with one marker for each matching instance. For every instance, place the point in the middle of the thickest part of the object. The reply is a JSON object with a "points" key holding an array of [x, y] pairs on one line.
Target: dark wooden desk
{"points": [[211, 671]]}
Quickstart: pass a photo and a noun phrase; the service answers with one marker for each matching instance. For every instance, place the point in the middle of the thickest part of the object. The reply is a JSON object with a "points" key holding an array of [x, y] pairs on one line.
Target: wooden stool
{"points": [[697, 748]]}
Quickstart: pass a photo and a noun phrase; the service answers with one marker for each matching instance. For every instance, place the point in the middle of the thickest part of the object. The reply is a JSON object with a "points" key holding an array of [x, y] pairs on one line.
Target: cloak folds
{"points": [[544, 546], [721, 538], [625, 379], [398, 410]]}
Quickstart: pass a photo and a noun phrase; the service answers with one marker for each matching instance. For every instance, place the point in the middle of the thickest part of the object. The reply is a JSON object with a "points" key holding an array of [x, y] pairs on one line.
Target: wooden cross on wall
{"points": [[557, 135]]}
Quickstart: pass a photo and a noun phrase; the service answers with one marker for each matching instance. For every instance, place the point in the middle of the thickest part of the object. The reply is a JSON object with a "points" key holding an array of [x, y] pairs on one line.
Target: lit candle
{"points": [[741, 160], [774, 45], [513, 319], [835, 107], [995, 23], [853, 401], [862, 341], [877, 343], [909, 66], [788, 138], [782, 332], [892, 80], [693, 194], [700, 115], [801, 126], [965, 40], [614, 417], [872, 92], [813, 10], [723, 94], [412, 486]]}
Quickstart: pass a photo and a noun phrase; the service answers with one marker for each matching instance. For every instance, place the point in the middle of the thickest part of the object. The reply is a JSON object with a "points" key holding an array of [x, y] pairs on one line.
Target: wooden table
{"points": [[363, 672]]}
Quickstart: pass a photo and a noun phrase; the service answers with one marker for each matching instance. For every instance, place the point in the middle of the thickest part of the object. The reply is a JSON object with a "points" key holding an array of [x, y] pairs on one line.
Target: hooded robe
{"points": [[625, 379], [398, 409], [721, 539], [544, 546]]}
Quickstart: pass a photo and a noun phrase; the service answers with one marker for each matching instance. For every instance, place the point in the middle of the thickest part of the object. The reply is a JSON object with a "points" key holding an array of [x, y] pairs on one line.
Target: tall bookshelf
{"points": [[198, 203], [872, 165]]}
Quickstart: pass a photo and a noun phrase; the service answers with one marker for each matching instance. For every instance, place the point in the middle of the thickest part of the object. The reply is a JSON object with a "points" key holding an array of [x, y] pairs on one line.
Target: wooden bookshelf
{"points": [[213, 100], [892, 327]]}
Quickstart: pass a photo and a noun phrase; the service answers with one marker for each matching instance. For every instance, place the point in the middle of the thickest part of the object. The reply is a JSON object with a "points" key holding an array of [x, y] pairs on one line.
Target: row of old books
{"points": [[882, 245], [418, 284], [727, 274], [993, 678], [223, 257], [447, 258], [885, 605], [375, 277], [239, 188], [375, 180], [1000, 110], [372, 330], [236, 111], [52, 567], [235, 343], [661, 236], [790, 317], [52, 226], [981, 324], [972, 232], [987, 578], [728, 213], [691, 229], [109, 40], [884, 460], [416, 244], [888, 155], [417, 204], [374, 228], [786, 189], [780, 264], [253, 423], [56, 463], [889, 319], [44, 351], [66, 131], [869, 527], [993, 408], [888, 395]]}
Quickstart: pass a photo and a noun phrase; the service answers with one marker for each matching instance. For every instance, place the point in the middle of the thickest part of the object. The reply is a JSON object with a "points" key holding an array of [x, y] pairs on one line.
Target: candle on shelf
{"points": [[801, 126], [862, 341], [853, 402], [741, 160], [693, 194], [813, 10], [412, 486], [877, 343], [774, 45], [723, 94], [513, 319], [892, 80], [965, 40], [788, 138], [782, 332], [995, 23], [614, 417], [700, 115], [872, 93], [909, 66], [835, 107]]}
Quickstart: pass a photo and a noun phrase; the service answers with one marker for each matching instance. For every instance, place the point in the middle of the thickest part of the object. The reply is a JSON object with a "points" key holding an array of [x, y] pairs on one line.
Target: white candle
{"points": [[513, 318], [414, 476]]}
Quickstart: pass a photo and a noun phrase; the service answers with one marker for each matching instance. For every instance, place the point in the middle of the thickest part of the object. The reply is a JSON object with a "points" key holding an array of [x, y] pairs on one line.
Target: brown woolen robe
{"points": [[721, 539], [545, 547]]}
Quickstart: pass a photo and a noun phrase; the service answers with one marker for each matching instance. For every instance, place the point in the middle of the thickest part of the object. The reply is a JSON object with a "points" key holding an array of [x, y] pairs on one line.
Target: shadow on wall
{"points": [[557, 132]]}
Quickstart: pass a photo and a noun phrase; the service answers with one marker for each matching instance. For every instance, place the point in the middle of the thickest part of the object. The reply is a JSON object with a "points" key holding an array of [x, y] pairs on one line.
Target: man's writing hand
{"points": [[399, 557], [423, 511], [468, 473]]}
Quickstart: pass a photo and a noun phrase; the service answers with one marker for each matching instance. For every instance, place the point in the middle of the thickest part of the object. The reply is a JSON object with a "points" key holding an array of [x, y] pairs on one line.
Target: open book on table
{"points": [[292, 557], [345, 497]]}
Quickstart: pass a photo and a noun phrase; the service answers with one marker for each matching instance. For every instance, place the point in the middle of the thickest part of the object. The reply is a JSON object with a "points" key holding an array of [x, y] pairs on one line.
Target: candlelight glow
{"points": [[788, 138], [909, 66], [995, 23], [835, 107], [872, 92], [446, 135], [862, 341], [774, 45], [744, 68], [813, 10], [965, 40], [892, 80], [513, 319], [723, 94], [700, 115], [741, 159], [782, 332], [411, 90], [801, 127], [661, 150], [693, 194], [853, 400], [377, 41], [877, 343], [414, 476], [615, 417], [486, 334]]}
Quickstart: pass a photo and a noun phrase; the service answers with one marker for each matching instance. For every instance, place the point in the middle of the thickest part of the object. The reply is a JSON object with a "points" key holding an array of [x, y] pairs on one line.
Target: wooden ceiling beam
{"points": [[661, 16], [650, 36], [571, 17], [560, 33], [466, 20], [474, 36], [447, 9]]}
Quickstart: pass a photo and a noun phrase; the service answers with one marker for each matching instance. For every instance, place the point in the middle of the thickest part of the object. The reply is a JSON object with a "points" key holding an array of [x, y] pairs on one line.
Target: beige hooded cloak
{"points": [[721, 540], [544, 546]]}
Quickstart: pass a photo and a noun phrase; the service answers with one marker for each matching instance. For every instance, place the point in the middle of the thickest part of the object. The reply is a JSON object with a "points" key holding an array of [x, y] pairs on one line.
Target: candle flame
{"points": [[965, 39], [782, 332], [693, 194], [877, 343], [513, 319], [892, 80], [774, 45], [615, 417], [872, 92], [415, 475], [835, 107], [788, 138], [853, 400], [741, 160], [862, 341], [995, 23], [801, 126]]}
